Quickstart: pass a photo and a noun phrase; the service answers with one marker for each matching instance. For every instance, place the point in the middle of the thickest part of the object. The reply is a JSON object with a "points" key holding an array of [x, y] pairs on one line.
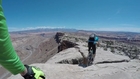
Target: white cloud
{"points": [[125, 29], [44, 27], [119, 27], [33, 28]]}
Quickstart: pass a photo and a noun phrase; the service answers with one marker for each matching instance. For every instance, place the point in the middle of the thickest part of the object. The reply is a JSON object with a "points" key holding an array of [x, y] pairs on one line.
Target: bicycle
{"points": [[90, 57]]}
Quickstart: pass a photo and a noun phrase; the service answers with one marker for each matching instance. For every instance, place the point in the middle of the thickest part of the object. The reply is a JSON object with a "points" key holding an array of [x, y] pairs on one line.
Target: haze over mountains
{"points": [[45, 30], [49, 47], [118, 35]]}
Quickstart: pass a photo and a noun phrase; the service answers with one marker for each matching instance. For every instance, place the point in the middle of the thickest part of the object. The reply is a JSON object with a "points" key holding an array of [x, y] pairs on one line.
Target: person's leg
{"points": [[94, 51], [89, 46]]}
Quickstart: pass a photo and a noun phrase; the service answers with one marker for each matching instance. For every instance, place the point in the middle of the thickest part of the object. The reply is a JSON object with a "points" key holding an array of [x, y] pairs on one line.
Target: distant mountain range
{"points": [[46, 30], [71, 30]]}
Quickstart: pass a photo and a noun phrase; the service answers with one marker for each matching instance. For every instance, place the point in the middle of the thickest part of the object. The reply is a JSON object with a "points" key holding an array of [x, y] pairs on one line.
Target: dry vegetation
{"points": [[116, 47], [131, 51]]}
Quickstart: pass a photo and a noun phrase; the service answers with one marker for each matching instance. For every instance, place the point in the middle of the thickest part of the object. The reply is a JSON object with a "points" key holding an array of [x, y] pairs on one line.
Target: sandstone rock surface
{"points": [[106, 66]]}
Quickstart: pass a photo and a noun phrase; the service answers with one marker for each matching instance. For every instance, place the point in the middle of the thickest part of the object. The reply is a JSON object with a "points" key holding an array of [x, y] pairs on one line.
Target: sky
{"points": [[96, 15]]}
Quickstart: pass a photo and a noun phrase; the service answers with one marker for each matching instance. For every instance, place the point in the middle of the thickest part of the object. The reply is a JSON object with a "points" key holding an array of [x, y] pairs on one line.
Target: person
{"points": [[92, 42], [9, 58]]}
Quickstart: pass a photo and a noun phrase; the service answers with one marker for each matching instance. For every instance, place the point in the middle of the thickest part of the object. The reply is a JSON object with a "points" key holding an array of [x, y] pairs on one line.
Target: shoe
{"points": [[33, 73]]}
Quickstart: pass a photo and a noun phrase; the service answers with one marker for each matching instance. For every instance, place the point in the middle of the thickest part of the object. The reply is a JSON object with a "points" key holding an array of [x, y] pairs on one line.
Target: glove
{"points": [[33, 73]]}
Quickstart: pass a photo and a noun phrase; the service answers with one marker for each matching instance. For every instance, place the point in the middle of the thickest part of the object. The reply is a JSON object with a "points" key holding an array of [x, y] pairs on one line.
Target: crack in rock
{"points": [[78, 60], [117, 61]]}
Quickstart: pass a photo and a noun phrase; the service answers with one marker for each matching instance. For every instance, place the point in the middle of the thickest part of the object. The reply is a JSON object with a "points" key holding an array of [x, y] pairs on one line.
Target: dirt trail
{"points": [[7, 73]]}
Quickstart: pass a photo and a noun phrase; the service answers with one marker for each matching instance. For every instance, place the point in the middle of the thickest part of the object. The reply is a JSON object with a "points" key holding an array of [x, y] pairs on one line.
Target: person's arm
{"points": [[8, 57], [98, 44], [97, 41]]}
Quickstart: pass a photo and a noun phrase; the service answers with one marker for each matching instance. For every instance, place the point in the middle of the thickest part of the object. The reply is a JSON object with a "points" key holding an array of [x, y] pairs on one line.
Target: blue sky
{"points": [[102, 15]]}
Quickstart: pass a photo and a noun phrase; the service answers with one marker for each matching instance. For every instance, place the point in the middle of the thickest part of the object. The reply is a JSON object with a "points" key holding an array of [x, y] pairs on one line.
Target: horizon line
{"points": [[71, 29]]}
